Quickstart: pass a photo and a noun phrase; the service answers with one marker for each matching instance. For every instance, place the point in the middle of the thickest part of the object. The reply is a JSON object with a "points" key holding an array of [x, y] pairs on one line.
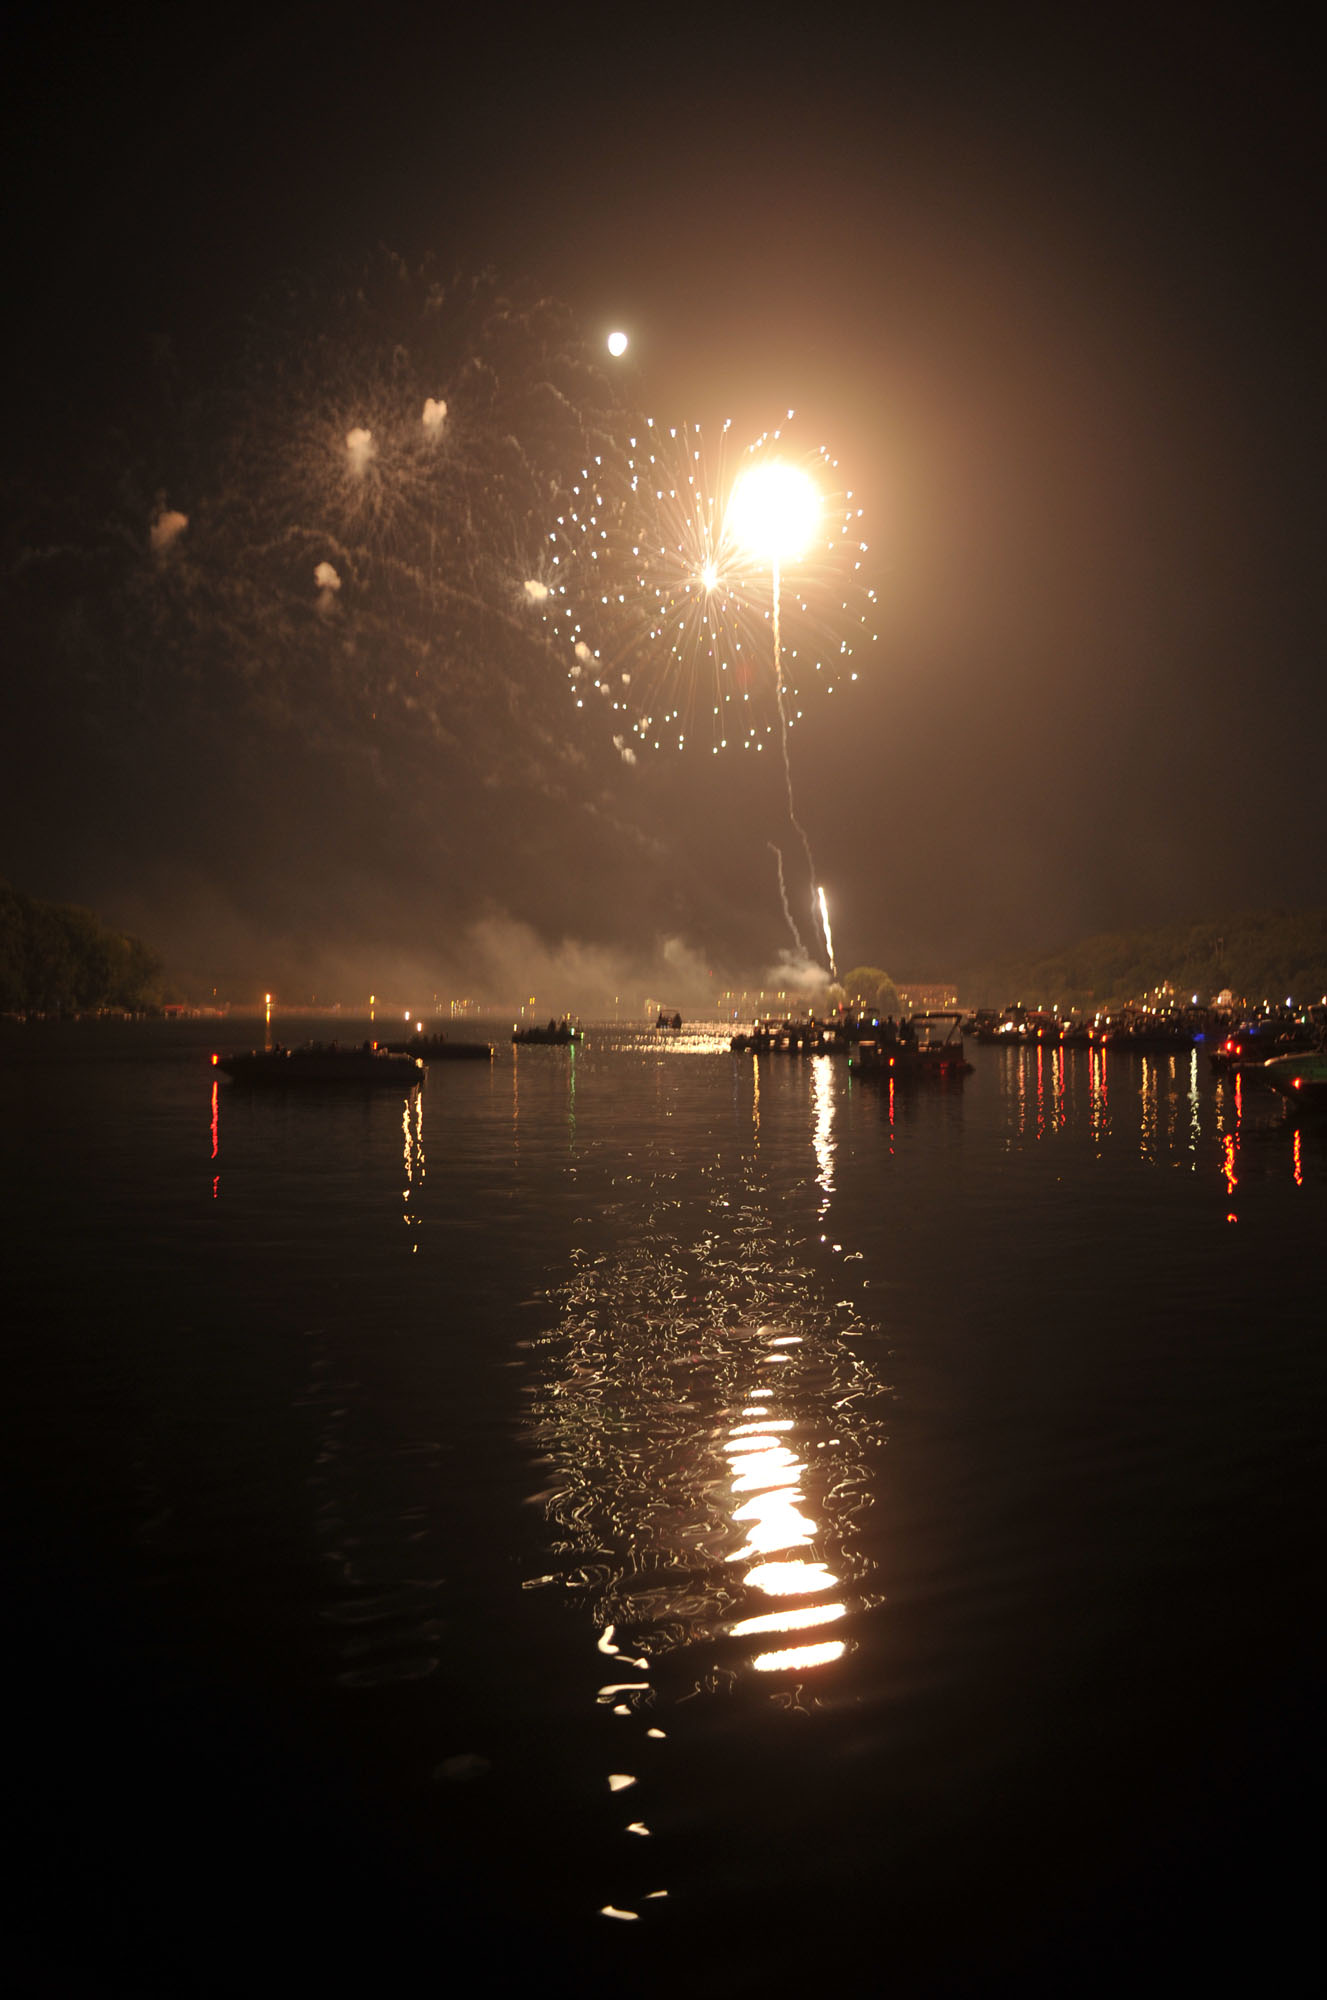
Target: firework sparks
{"points": [[824, 925], [694, 604], [660, 600], [397, 446], [413, 509]]}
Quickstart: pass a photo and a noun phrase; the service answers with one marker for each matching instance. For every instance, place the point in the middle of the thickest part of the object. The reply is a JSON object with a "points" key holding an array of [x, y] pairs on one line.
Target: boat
{"points": [[929, 1044], [558, 1034], [1016, 1027], [436, 1048], [1139, 1032], [320, 1063], [1248, 1048], [1300, 1079], [797, 1038]]}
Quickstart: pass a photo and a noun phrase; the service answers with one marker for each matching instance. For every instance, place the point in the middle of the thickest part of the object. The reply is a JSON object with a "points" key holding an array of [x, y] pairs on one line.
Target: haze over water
{"points": [[912, 1496]]}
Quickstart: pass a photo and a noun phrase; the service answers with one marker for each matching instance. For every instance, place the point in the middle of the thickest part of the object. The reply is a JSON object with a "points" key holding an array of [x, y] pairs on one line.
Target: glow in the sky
{"points": [[617, 343]]}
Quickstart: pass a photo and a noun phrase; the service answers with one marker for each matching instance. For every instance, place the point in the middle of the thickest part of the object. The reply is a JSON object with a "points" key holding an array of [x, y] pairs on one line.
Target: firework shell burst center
{"points": [[661, 571]]}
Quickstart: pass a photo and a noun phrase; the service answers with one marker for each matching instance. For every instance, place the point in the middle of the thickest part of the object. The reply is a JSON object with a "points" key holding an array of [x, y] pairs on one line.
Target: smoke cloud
{"points": [[793, 970]]}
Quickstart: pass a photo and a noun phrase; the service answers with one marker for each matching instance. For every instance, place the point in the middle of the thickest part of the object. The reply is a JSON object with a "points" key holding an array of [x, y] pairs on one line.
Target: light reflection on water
{"points": [[705, 1410], [414, 1164], [1162, 1105], [669, 1513], [704, 1421], [346, 1332], [709, 1430]]}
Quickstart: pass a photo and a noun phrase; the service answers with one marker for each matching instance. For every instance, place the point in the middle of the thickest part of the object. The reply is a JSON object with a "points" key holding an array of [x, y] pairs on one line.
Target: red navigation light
{"points": [[215, 1060]]}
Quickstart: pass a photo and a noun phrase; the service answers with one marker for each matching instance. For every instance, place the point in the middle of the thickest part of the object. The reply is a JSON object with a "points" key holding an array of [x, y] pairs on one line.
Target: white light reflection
{"points": [[795, 1658], [790, 1579], [758, 1471], [775, 1522], [412, 1130], [703, 1517], [822, 1085], [794, 1618]]}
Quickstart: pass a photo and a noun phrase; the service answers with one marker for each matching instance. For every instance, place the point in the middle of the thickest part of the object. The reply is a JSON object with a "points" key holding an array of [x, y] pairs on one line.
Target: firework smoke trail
{"points": [[777, 852], [788, 779]]}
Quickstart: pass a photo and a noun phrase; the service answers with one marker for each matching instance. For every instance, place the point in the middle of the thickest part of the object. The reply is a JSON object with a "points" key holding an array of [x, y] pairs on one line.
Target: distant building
{"points": [[926, 999]]}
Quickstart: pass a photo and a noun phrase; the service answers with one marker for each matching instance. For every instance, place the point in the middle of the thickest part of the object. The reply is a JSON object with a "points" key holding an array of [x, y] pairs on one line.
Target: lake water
{"points": [[639, 1517]]}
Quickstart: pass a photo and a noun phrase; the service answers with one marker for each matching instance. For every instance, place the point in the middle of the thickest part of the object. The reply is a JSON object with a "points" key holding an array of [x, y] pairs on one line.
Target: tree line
{"points": [[58, 959], [1268, 955], [1265, 955]]}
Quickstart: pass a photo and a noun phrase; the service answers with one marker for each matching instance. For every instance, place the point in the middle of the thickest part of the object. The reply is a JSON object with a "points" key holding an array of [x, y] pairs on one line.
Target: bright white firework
{"points": [[617, 343], [774, 510], [824, 925]]}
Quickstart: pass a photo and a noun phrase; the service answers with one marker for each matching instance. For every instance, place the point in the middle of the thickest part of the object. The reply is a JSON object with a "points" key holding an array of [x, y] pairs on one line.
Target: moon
{"points": [[617, 343]]}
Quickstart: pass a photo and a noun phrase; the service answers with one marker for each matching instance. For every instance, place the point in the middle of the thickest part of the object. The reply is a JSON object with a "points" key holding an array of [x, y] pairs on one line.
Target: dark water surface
{"points": [[645, 1518]]}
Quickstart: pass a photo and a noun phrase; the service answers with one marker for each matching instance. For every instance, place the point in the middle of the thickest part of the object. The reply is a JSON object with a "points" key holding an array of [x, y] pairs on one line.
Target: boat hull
{"points": [[1300, 1079], [296, 1069], [432, 1048]]}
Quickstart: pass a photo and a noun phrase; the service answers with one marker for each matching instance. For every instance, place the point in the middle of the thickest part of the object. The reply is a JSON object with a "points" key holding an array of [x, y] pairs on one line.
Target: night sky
{"points": [[1048, 287]]}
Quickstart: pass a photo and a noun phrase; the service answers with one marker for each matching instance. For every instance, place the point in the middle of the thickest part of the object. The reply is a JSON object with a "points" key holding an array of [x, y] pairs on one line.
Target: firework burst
{"points": [[664, 613]]}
